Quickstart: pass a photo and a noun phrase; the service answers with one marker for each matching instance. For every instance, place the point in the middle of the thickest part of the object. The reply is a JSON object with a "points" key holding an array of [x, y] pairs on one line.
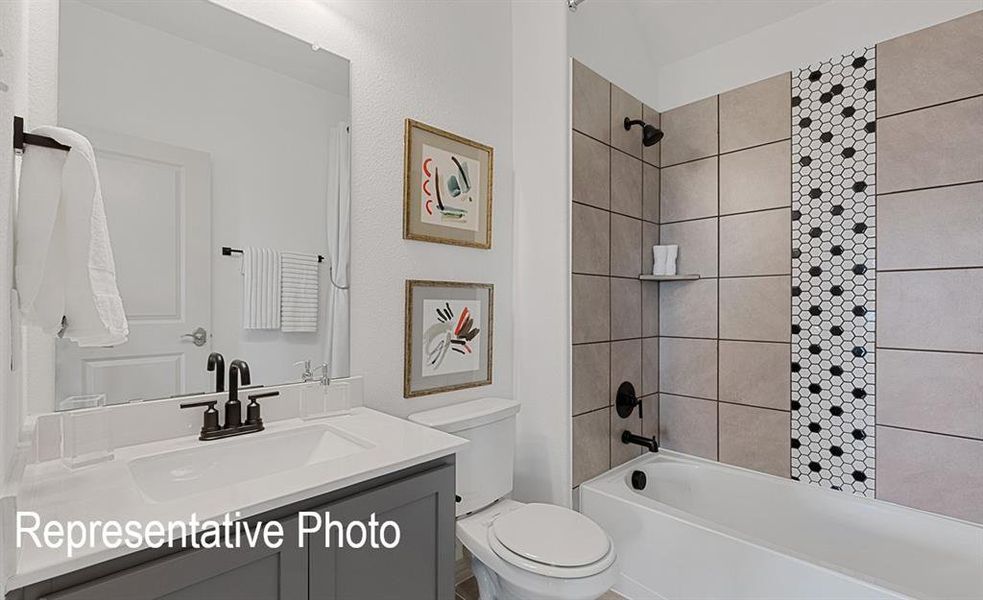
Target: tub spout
{"points": [[651, 443]]}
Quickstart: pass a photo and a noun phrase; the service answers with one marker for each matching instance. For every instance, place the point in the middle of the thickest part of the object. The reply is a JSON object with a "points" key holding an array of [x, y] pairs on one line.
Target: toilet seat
{"points": [[551, 540]]}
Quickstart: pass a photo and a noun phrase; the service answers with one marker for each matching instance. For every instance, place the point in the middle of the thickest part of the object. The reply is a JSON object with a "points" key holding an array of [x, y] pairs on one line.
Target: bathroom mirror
{"points": [[213, 135]]}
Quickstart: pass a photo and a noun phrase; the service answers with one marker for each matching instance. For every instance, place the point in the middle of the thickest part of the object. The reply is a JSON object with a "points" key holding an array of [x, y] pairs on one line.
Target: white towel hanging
{"points": [[299, 292], [260, 288]]}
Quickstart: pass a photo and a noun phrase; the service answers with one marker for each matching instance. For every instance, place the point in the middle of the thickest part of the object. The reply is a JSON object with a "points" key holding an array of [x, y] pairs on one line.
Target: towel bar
{"points": [[227, 251], [21, 138]]}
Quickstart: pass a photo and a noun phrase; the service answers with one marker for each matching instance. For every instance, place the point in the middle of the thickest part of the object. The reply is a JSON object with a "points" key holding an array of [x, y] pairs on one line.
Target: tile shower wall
{"points": [[615, 216], [724, 340], [930, 269]]}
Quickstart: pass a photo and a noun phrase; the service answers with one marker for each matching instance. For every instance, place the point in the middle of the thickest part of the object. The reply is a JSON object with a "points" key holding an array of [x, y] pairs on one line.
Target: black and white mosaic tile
{"points": [[833, 280]]}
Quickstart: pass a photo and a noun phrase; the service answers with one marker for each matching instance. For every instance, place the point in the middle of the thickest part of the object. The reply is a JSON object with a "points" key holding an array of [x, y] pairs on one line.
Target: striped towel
{"points": [[298, 292], [260, 288]]}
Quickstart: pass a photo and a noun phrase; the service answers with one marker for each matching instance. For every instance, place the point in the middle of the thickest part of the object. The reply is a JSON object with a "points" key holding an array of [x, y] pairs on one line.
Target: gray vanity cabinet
{"points": [[424, 509], [242, 573], [421, 567]]}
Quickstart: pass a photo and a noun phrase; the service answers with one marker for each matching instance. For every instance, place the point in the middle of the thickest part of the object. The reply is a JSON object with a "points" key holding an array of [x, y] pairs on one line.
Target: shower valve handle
{"points": [[627, 400]]}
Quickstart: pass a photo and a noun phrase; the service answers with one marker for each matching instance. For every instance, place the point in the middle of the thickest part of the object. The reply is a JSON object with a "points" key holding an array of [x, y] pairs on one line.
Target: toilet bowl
{"points": [[537, 552], [519, 551]]}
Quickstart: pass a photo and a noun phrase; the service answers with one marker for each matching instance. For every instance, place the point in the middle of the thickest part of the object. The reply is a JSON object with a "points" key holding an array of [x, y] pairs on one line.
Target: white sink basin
{"points": [[214, 465]]}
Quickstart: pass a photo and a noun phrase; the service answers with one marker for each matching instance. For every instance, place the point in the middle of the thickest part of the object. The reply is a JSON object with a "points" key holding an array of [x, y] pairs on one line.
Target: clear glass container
{"points": [[86, 435], [318, 401]]}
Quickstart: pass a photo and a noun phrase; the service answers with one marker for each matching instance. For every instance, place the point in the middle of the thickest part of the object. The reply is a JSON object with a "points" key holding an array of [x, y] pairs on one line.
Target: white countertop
{"points": [[108, 491]]}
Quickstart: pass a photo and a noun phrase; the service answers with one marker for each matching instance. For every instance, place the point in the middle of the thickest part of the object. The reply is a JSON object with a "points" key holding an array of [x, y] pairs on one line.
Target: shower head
{"points": [[651, 135]]}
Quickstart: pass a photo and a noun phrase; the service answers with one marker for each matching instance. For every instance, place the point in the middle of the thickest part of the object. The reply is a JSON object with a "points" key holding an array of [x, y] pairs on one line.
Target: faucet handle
{"points": [[210, 417], [308, 374], [253, 408], [325, 374]]}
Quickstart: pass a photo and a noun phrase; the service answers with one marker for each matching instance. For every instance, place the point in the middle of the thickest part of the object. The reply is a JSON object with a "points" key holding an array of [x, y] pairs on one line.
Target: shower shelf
{"points": [[691, 277]]}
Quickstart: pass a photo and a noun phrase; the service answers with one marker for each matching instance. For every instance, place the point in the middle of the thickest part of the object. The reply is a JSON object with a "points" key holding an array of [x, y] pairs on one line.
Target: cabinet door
{"points": [[421, 567], [259, 573]]}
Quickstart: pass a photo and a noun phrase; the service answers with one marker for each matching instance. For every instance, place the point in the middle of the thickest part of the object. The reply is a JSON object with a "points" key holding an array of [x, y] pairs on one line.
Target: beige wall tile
{"points": [[691, 132], [626, 184], [940, 392], [756, 373], [650, 308], [688, 367], [621, 452], [591, 240], [626, 239], [756, 309], [591, 309], [932, 472], [934, 65], [688, 425], [591, 446], [931, 310], [650, 193], [652, 154], [689, 191], [756, 178], [756, 114], [757, 243], [650, 366], [650, 237], [755, 438], [591, 172], [650, 416], [930, 147], [624, 105], [688, 308], [591, 376], [931, 228], [626, 309], [591, 103], [626, 365], [697, 241]]}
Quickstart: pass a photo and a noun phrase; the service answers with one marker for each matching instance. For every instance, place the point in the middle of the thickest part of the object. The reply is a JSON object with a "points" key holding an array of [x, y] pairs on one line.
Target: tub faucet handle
{"points": [[627, 400]]}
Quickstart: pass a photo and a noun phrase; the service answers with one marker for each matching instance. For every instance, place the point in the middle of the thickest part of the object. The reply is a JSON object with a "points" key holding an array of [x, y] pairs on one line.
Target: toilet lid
{"points": [[552, 535]]}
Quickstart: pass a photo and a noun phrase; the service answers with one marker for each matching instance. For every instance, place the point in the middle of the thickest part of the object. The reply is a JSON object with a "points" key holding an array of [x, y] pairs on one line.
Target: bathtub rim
{"points": [[616, 478]]}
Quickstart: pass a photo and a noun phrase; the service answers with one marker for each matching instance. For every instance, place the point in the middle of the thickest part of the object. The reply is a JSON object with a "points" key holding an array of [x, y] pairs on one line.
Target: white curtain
{"points": [[336, 351]]}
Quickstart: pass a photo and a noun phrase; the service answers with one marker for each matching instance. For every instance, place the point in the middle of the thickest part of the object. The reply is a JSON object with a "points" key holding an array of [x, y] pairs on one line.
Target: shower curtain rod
{"points": [[21, 138]]}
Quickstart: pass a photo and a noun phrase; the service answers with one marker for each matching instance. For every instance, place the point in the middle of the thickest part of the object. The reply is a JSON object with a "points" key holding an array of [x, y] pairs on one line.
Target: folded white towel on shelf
{"points": [[260, 288], [299, 292], [65, 271]]}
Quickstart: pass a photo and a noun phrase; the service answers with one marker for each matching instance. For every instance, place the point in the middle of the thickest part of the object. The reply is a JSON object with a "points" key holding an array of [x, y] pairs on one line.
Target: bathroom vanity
{"points": [[398, 470]]}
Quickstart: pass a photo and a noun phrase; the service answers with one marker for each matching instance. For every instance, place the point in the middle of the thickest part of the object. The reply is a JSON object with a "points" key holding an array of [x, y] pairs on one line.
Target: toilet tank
{"points": [[484, 466]]}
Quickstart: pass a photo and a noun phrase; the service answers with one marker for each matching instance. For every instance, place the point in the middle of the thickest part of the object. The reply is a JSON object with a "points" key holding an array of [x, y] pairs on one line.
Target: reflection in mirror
{"points": [[210, 131]]}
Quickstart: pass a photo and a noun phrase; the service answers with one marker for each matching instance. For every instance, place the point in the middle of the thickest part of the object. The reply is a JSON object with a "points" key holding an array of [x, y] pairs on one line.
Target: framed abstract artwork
{"points": [[448, 336], [447, 187]]}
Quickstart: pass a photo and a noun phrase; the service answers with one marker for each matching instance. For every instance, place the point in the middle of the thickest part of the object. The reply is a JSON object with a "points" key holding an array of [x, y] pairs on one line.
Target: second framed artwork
{"points": [[448, 336], [447, 187]]}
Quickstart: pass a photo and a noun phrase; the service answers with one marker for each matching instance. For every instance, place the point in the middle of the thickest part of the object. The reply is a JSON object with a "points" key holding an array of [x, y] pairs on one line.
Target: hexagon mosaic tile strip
{"points": [[833, 272]]}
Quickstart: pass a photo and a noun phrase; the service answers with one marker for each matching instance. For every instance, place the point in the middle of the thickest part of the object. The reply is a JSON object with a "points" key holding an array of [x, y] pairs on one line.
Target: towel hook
{"points": [[21, 139]]}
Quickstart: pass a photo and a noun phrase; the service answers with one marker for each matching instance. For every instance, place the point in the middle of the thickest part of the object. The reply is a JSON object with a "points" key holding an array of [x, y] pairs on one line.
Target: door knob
{"points": [[199, 337]]}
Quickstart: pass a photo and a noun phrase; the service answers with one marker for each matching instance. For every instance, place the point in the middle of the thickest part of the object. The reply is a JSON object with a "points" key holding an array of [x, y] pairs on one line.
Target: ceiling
{"points": [[675, 29]]}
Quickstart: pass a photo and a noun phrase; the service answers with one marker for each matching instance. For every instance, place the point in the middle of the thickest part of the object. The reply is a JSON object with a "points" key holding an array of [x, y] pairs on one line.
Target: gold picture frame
{"points": [[449, 336], [454, 208]]}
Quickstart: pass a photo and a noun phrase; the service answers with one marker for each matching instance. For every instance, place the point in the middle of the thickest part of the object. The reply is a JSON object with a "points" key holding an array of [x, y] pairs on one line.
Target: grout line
{"points": [[789, 274], [717, 342], [717, 339], [609, 145], [690, 161], [948, 435], [614, 212], [895, 349], [730, 214], [610, 263], [920, 108], [941, 186], [791, 270], [754, 147], [921, 269]]}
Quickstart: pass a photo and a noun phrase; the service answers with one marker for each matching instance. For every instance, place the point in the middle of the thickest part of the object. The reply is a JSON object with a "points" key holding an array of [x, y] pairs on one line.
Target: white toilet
{"points": [[520, 551]]}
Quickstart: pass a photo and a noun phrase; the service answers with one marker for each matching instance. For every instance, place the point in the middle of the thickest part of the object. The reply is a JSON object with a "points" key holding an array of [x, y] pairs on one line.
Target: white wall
{"points": [[267, 135], [541, 130], [828, 30], [445, 63], [604, 35]]}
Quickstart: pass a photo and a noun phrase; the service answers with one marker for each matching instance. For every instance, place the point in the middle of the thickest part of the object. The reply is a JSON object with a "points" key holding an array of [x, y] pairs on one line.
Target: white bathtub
{"points": [[700, 529]]}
